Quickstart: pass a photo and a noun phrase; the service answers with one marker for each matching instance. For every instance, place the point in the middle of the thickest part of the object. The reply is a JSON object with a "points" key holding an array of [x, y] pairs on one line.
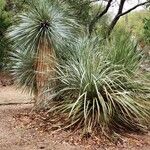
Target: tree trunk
{"points": [[112, 25], [45, 68]]}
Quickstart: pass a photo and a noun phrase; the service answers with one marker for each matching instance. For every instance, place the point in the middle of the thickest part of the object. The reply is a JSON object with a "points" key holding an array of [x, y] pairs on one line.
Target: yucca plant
{"points": [[40, 32], [96, 93]]}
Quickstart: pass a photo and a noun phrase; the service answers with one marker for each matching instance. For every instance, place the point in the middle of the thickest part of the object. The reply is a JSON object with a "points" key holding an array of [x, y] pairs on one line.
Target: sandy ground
{"points": [[14, 136], [17, 135], [9, 94]]}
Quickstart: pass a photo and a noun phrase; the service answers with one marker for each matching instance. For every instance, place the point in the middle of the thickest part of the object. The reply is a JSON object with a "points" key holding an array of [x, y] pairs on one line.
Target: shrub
{"points": [[96, 87]]}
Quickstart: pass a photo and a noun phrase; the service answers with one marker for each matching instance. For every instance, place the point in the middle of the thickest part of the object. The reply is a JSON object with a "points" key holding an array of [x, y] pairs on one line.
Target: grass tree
{"points": [[39, 31]]}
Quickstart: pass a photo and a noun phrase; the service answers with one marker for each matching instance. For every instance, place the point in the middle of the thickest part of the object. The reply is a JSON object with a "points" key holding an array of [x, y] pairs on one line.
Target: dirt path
{"points": [[16, 135], [10, 95]]}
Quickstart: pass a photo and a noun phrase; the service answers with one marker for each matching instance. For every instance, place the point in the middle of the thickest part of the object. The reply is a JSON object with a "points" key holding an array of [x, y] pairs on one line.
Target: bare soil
{"points": [[19, 132]]}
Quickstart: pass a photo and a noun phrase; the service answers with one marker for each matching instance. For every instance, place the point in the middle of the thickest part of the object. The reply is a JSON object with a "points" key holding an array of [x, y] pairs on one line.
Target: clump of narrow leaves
{"points": [[43, 20], [22, 68], [123, 51], [97, 89]]}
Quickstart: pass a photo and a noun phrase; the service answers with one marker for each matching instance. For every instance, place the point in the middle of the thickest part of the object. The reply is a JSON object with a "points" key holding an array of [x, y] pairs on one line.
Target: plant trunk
{"points": [[45, 68]]}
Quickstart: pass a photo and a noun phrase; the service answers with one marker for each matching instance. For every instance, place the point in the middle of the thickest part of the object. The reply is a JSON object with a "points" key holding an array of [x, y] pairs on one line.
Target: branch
{"points": [[121, 5], [120, 14], [131, 9], [116, 18], [98, 16]]}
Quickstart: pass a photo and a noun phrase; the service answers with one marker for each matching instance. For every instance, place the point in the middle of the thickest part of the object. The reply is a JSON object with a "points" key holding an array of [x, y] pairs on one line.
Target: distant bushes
{"points": [[5, 22], [135, 23], [7, 10]]}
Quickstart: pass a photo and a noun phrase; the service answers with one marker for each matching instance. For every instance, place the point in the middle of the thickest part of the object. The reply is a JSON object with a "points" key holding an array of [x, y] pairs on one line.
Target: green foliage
{"points": [[5, 22], [102, 24], [134, 23], [85, 11], [80, 9], [16, 6], [123, 51], [2, 4], [7, 10], [97, 90], [146, 31]]}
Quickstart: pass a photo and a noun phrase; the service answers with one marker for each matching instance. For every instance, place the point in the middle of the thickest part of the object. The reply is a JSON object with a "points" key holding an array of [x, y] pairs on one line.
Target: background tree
{"points": [[8, 8], [5, 22], [116, 18], [82, 10]]}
